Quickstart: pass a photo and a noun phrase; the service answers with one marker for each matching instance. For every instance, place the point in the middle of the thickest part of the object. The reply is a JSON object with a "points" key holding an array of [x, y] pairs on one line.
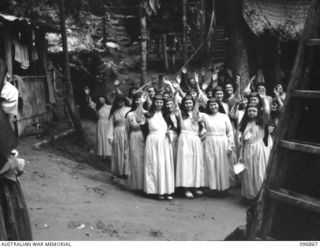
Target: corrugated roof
{"points": [[281, 18]]}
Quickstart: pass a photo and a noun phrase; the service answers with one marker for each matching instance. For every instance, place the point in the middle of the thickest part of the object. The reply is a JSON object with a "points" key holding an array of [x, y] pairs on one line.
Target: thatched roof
{"points": [[281, 18]]}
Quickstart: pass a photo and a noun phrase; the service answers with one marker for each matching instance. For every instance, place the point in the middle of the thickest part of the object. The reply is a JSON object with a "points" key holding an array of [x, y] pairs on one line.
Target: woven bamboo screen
{"points": [[280, 18]]}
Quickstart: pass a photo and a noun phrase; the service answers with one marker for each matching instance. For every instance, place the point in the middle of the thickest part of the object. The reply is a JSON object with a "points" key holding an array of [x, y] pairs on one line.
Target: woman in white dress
{"points": [[256, 150], [158, 162], [218, 146], [136, 146], [171, 117], [190, 172], [118, 138], [219, 95], [103, 147]]}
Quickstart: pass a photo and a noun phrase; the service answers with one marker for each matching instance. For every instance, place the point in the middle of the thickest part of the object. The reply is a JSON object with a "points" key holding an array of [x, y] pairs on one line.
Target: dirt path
{"points": [[70, 200]]}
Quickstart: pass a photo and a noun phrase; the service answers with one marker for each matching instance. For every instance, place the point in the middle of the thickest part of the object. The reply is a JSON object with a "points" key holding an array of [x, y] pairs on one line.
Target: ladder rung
{"points": [[313, 42], [295, 146], [264, 239], [295, 199], [306, 93]]}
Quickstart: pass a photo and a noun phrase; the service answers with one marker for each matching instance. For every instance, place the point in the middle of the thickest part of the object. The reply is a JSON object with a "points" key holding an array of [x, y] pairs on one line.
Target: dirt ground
{"points": [[72, 196]]}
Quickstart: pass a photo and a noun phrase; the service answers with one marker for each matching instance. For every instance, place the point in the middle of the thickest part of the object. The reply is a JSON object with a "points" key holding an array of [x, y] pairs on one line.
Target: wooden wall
{"points": [[34, 109]]}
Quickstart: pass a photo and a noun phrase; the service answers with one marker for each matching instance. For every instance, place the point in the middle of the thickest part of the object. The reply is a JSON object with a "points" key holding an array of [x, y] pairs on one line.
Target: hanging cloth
{"points": [[21, 54]]}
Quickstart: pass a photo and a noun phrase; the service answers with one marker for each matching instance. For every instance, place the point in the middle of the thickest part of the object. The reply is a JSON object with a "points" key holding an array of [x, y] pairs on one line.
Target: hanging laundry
{"points": [[21, 54], [34, 53]]}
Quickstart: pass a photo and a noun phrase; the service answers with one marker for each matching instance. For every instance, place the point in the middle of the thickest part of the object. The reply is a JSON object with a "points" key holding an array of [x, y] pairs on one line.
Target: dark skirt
{"points": [[14, 217]]}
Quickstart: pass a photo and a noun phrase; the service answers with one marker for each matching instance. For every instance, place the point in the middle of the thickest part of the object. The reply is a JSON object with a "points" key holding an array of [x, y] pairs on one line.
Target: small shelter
{"points": [[24, 48]]}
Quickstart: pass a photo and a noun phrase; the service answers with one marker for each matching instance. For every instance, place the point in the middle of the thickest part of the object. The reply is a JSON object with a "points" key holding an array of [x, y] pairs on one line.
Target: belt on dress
{"points": [[189, 132], [215, 134]]}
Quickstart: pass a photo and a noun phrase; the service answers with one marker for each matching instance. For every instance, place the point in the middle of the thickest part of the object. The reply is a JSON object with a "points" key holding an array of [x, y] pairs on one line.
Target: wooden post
{"points": [[69, 98], [44, 47], [104, 26], [184, 36], [8, 51], [144, 51], [165, 52]]}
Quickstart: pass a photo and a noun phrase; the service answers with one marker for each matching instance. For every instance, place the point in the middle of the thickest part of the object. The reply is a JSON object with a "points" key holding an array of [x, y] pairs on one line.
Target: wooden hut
{"points": [[24, 49]]}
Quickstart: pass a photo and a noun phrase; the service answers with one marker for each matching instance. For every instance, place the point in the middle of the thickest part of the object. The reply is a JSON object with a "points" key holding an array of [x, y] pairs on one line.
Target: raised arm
{"points": [[140, 118], [89, 101], [265, 107], [247, 89], [278, 97]]}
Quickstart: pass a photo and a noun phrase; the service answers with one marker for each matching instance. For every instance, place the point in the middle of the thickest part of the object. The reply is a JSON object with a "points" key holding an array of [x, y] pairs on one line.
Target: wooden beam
{"points": [[306, 94], [295, 199], [295, 146], [313, 42]]}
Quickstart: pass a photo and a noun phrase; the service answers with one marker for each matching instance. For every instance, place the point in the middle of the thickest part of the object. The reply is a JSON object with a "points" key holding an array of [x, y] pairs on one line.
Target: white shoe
{"points": [[188, 194]]}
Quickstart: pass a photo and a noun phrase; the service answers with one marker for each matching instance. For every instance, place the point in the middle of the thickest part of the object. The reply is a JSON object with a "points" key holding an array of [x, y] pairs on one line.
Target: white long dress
{"points": [[255, 157], [218, 139], [117, 132], [103, 147], [136, 152], [190, 170], [159, 171]]}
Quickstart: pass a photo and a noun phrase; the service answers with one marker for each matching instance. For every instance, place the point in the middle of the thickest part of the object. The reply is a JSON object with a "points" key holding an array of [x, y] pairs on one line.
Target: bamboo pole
{"points": [[69, 98], [165, 52], [144, 51], [184, 36]]}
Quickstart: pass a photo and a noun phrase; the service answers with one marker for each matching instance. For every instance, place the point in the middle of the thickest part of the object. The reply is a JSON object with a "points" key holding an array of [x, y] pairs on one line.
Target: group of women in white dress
{"points": [[184, 140]]}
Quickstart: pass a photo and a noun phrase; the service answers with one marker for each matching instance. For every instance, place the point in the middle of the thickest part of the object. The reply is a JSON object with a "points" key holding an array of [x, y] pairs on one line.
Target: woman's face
{"points": [[219, 96], [137, 102], [271, 128], [188, 105], [194, 94], [151, 92], [252, 113], [273, 106], [213, 107], [229, 89], [170, 106], [158, 105], [166, 96], [120, 104], [101, 100], [245, 101], [279, 88], [254, 100]]}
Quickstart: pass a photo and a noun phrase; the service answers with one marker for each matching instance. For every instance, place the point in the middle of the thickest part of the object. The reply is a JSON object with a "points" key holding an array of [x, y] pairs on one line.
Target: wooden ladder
{"points": [[288, 206]]}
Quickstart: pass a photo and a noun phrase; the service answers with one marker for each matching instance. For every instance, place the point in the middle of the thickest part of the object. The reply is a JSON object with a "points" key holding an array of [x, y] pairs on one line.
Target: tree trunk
{"points": [[184, 36], [144, 51], [237, 29], [165, 52], [203, 26], [69, 99]]}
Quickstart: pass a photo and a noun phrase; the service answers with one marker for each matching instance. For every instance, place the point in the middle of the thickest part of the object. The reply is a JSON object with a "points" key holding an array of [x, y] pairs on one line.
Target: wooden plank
{"points": [[295, 146], [306, 94], [313, 42], [296, 199], [264, 239]]}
